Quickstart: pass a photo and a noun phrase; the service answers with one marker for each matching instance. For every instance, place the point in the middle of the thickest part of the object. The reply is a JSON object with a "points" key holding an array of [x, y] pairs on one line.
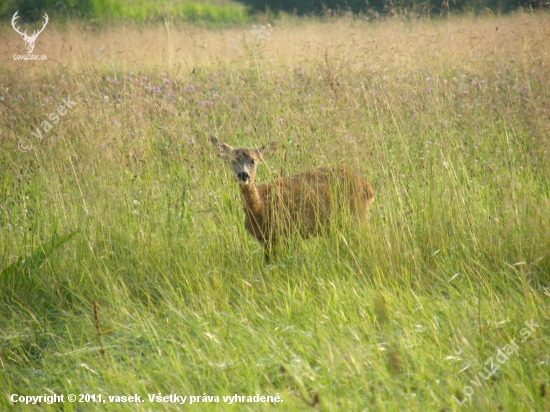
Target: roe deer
{"points": [[303, 203]]}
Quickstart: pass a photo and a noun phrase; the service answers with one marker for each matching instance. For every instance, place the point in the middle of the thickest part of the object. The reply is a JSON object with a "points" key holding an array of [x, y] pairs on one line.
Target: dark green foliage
{"points": [[321, 7], [312, 6]]}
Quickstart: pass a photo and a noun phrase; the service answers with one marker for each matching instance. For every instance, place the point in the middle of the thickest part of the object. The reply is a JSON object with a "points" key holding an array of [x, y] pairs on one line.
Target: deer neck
{"points": [[252, 202]]}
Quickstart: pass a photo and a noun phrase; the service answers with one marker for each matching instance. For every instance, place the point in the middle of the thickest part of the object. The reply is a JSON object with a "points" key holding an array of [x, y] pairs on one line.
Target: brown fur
{"points": [[303, 203]]}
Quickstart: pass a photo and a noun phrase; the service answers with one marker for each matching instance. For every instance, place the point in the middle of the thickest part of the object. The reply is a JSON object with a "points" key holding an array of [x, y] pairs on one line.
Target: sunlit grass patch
{"points": [[222, 12], [141, 11]]}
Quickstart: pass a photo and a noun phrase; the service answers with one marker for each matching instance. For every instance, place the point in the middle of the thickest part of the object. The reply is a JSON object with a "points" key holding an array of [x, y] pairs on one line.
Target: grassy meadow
{"points": [[124, 203]]}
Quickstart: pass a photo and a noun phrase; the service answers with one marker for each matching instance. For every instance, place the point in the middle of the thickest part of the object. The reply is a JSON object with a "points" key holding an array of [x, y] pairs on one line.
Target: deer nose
{"points": [[243, 176]]}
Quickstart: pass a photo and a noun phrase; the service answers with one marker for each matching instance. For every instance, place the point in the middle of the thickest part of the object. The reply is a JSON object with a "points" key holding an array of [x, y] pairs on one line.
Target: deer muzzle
{"points": [[243, 177]]}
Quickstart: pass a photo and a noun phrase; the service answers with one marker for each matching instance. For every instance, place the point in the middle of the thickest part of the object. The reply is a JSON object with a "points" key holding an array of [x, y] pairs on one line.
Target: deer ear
{"points": [[222, 149], [268, 149]]}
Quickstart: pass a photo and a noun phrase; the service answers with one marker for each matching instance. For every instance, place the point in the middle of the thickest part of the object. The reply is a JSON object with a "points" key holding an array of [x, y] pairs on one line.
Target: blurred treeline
{"points": [[227, 11], [373, 8]]}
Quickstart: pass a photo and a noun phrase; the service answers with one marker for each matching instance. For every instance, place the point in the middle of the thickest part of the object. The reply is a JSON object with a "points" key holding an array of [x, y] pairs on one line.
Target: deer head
{"points": [[29, 40], [243, 162]]}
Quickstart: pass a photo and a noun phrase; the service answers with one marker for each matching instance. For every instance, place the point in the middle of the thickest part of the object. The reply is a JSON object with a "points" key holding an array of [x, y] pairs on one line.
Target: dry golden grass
{"points": [[378, 46]]}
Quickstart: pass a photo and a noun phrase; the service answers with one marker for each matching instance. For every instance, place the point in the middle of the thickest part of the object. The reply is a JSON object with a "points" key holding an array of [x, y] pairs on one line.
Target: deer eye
{"points": [[253, 161]]}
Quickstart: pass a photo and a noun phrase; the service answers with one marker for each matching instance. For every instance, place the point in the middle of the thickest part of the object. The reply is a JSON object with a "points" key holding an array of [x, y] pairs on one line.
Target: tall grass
{"points": [[448, 120]]}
